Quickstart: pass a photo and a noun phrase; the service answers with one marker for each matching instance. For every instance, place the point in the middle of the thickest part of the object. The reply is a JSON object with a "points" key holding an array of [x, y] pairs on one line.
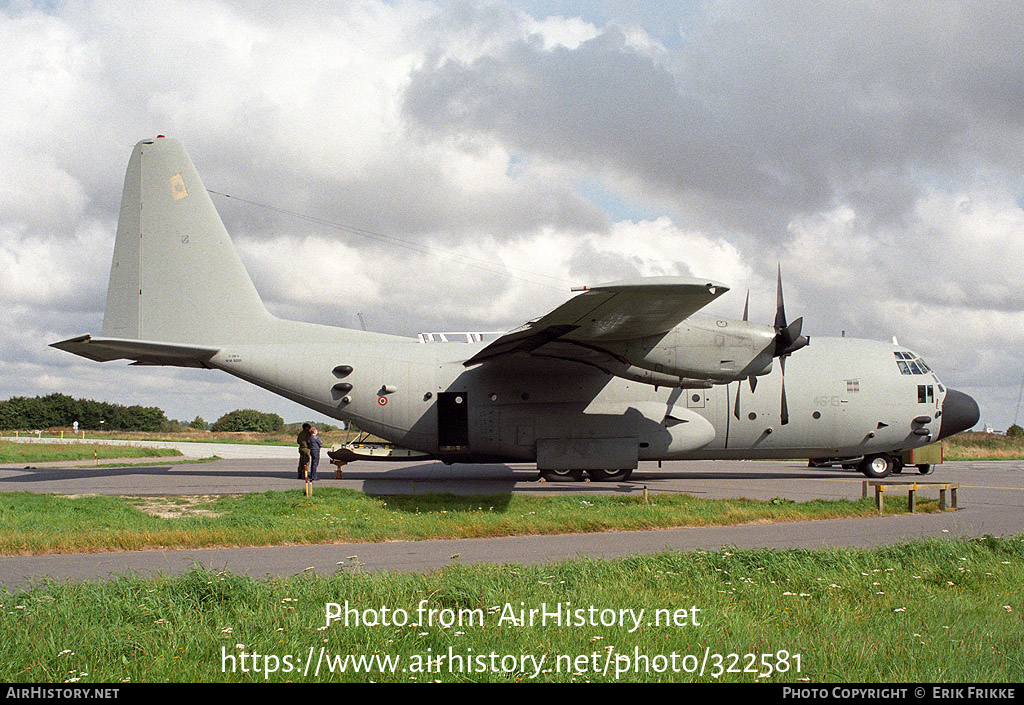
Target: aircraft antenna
{"points": [[469, 260]]}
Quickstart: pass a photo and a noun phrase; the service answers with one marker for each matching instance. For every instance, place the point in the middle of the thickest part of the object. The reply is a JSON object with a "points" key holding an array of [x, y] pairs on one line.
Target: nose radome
{"points": [[959, 413]]}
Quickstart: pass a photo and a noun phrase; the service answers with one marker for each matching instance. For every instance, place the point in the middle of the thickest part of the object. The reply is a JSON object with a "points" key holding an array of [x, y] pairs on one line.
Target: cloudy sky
{"points": [[461, 165]]}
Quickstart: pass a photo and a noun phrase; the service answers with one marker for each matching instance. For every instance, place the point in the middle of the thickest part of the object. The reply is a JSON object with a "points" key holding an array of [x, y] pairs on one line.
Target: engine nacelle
{"points": [[721, 350]]}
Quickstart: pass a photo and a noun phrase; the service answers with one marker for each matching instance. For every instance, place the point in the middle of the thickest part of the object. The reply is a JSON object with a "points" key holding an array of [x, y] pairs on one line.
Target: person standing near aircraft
{"points": [[304, 451], [315, 444]]}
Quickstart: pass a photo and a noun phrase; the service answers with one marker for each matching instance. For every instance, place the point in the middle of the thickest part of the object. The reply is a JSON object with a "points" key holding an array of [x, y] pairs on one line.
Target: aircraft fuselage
{"points": [[846, 397]]}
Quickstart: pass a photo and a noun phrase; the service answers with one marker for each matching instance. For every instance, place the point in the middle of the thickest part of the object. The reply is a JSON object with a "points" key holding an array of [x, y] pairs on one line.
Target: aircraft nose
{"points": [[959, 413]]}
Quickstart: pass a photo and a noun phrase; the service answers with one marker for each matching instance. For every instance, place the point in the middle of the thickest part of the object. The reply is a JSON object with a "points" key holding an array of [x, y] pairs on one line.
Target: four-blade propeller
{"points": [[787, 341]]}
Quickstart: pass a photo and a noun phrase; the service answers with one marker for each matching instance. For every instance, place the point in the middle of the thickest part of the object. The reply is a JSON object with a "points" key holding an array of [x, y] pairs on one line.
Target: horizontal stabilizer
{"points": [[141, 351]]}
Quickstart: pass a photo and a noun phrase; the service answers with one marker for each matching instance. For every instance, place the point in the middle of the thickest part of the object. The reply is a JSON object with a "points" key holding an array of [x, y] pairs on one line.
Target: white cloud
{"points": [[878, 161], [41, 268], [568, 32]]}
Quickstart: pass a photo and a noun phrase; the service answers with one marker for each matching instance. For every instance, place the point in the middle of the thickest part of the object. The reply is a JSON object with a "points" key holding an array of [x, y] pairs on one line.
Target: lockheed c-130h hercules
{"points": [[620, 373]]}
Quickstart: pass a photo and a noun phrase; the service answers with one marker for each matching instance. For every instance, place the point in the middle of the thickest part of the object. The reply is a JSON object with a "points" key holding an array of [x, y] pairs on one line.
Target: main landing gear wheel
{"points": [[925, 469], [877, 466], [561, 475], [610, 475]]}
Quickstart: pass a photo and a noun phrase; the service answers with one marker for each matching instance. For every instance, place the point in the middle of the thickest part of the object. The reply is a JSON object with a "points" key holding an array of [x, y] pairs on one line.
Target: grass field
{"points": [[11, 452], [983, 446], [44, 523], [934, 611]]}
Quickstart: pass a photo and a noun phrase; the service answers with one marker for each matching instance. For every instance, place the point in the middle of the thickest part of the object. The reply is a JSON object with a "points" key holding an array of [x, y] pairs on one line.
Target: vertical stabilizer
{"points": [[176, 276]]}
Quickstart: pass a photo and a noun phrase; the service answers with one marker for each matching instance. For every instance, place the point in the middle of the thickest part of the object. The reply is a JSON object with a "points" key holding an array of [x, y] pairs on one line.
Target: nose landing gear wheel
{"points": [[877, 466]]}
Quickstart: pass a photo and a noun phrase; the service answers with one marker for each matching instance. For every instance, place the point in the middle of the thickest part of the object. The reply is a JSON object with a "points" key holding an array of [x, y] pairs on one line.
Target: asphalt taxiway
{"points": [[991, 499]]}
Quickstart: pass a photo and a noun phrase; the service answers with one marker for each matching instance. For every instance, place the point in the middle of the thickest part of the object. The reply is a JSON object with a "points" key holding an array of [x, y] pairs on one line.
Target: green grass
{"points": [[43, 523], [14, 452], [933, 611]]}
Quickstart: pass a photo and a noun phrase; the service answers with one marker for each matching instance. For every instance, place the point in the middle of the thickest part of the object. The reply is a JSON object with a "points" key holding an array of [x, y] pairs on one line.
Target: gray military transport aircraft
{"points": [[620, 373]]}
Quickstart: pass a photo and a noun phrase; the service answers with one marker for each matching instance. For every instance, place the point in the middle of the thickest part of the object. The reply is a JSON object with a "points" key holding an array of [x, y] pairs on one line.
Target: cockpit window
{"points": [[909, 364]]}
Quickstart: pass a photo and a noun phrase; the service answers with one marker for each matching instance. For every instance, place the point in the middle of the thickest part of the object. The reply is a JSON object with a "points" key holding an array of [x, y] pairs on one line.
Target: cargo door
{"points": [[452, 421]]}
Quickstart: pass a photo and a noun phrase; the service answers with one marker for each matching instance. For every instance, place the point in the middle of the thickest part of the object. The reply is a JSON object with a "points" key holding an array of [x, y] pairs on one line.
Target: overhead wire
{"points": [[461, 258]]}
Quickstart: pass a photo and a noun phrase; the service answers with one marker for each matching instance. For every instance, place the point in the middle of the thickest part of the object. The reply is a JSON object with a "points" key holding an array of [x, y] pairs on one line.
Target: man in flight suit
{"points": [[304, 454]]}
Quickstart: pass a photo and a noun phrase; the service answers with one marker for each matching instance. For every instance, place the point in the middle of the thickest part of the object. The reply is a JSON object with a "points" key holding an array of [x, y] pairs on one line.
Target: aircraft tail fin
{"points": [[175, 276]]}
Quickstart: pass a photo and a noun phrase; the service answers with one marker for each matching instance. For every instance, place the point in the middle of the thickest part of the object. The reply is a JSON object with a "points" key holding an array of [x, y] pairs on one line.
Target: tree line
{"points": [[61, 411]]}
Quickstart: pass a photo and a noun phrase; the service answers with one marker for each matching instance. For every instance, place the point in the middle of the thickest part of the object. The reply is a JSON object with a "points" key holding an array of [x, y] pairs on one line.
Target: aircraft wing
{"points": [[623, 310], [142, 352]]}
